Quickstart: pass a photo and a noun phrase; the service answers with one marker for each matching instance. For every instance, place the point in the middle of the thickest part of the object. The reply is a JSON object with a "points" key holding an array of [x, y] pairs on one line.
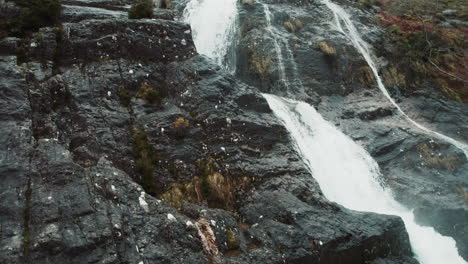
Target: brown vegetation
{"points": [[433, 159], [259, 64], [327, 48], [426, 49], [181, 126], [209, 186]]}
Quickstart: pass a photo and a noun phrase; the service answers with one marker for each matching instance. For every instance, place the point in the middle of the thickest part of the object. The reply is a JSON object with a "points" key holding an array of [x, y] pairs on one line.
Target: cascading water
{"points": [[279, 53], [352, 34], [213, 25], [293, 63], [355, 182]]}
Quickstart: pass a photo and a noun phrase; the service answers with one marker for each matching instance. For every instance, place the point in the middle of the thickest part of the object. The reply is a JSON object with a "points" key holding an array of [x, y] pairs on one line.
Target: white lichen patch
{"points": [[171, 218], [143, 202]]}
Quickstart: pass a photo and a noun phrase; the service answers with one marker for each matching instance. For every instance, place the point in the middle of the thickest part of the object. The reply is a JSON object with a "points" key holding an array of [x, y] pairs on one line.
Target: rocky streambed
{"points": [[120, 144]]}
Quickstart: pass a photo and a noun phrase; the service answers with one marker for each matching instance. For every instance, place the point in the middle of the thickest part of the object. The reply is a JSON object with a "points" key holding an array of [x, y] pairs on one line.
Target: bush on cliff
{"points": [[145, 159], [151, 94], [33, 15], [142, 9], [327, 48], [181, 126]]}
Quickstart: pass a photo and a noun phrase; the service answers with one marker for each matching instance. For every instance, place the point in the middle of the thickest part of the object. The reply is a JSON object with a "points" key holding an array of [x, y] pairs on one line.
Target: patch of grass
{"points": [[289, 26], [150, 94], [34, 14], [293, 25], [464, 194], [394, 29], [392, 77], [145, 159], [327, 48], [232, 239], [204, 170], [124, 96], [433, 159], [425, 50], [210, 186], [260, 64], [181, 126], [140, 10], [364, 75], [22, 51], [298, 23]]}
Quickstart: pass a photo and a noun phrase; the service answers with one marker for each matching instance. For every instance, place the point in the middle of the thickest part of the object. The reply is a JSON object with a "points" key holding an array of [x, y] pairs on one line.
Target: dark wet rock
{"points": [[375, 113], [9, 45], [152, 40], [434, 112], [73, 14], [8, 10], [395, 261], [287, 204], [166, 14], [116, 5], [254, 102], [449, 222]]}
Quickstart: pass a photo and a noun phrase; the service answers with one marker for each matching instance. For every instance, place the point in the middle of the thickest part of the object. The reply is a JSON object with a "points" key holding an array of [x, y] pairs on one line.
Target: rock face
{"points": [[121, 145], [323, 68]]}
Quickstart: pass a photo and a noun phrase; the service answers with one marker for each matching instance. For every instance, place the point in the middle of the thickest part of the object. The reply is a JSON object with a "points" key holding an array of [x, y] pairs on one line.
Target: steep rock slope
{"points": [[121, 145]]}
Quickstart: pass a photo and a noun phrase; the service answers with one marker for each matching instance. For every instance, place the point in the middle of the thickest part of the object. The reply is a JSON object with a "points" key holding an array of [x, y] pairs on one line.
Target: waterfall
{"points": [[343, 18], [349, 176], [345, 171], [293, 63], [279, 54], [213, 24]]}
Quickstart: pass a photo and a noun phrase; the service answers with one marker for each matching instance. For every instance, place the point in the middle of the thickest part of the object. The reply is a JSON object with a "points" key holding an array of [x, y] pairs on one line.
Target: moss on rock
{"points": [[438, 161], [124, 96], [150, 94], [181, 126], [209, 186], [327, 48], [33, 15], [140, 10], [364, 75], [392, 77], [232, 240], [293, 25], [259, 64], [145, 159]]}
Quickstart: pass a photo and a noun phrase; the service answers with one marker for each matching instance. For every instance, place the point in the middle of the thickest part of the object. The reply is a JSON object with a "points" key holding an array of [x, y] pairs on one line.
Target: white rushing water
{"points": [[344, 24], [355, 182], [213, 24], [348, 175]]}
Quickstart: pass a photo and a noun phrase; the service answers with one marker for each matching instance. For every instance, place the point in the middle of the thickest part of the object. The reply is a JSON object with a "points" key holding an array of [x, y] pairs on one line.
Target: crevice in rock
{"points": [[26, 239]]}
